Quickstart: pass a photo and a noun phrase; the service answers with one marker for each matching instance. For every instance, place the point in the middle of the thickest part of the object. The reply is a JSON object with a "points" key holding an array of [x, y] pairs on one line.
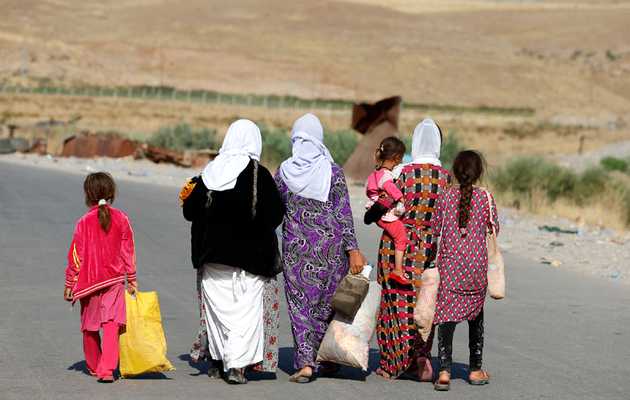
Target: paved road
{"points": [[557, 336]]}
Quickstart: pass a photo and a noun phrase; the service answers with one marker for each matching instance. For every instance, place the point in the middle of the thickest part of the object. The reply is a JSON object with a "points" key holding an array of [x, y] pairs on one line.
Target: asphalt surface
{"points": [[558, 335]]}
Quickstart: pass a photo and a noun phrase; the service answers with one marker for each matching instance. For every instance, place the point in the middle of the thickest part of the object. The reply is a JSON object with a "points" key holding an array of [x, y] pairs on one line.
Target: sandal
{"points": [[443, 383], [399, 279], [215, 369], [380, 372], [483, 378], [236, 376], [299, 378]]}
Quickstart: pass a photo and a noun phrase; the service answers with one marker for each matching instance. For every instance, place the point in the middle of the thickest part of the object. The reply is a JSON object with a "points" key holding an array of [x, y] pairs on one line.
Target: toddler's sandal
{"points": [[399, 279]]}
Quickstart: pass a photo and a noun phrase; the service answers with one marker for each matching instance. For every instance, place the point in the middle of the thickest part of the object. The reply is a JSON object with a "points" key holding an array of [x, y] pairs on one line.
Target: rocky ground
{"points": [[551, 242]]}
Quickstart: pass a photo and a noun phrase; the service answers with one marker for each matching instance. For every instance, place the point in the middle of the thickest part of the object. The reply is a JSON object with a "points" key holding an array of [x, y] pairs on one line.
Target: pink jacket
{"points": [[98, 259], [381, 182]]}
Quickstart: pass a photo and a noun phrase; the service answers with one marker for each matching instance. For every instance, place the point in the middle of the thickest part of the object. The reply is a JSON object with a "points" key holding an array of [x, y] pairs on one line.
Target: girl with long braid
{"points": [[464, 215]]}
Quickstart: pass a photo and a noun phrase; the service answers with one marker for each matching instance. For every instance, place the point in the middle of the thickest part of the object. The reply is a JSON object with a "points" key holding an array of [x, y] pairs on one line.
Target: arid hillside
{"points": [[566, 59]]}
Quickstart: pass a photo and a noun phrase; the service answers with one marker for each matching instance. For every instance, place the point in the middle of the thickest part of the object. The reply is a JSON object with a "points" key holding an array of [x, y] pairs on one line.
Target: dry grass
{"points": [[549, 55], [594, 197], [608, 211]]}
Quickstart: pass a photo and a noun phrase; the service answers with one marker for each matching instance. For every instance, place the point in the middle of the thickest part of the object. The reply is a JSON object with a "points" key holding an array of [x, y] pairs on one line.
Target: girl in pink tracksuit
{"points": [[381, 184], [100, 260]]}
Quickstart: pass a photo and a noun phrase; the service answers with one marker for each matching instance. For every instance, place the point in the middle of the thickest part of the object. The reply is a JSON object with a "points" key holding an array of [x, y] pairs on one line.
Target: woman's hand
{"points": [[67, 294], [357, 261]]}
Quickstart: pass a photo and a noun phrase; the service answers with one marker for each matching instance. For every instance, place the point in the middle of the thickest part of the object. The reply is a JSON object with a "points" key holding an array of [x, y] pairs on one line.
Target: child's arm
{"points": [[128, 254], [74, 264], [392, 190]]}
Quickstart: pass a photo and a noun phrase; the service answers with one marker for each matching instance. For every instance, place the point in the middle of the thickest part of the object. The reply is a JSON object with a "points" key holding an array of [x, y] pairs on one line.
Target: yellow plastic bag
{"points": [[143, 345]]}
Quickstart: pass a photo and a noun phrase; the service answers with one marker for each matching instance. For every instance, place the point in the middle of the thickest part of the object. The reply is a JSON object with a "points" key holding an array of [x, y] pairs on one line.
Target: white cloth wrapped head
{"points": [[241, 144], [426, 143], [308, 172]]}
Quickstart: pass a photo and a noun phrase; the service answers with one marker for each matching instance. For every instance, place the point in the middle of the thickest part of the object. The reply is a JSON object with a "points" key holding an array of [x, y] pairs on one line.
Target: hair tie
{"points": [[102, 202]]}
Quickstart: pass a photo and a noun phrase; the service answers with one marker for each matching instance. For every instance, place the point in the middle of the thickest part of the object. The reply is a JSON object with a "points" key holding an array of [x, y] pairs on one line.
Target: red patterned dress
{"points": [[401, 347], [462, 260]]}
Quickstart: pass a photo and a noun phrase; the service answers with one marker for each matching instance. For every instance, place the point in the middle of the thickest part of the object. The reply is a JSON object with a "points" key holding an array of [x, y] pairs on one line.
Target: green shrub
{"points": [[341, 144], [276, 146], [184, 137], [614, 164], [590, 183], [525, 175], [450, 148]]}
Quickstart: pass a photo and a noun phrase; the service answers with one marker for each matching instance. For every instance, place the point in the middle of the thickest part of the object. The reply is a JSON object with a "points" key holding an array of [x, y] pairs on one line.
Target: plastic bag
{"points": [[496, 265], [143, 345], [496, 268], [424, 312], [348, 343], [349, 295]]}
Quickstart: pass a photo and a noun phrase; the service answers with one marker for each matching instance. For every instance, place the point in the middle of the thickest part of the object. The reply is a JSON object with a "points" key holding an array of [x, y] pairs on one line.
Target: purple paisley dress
{"points": [[315, 239]]}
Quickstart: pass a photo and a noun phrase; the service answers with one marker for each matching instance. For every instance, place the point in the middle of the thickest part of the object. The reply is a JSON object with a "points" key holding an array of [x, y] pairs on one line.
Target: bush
{"points": [[614, 164], [590, 183], [450, 148], [524, 177], [184, 137], [341, 144], [276, 146]]}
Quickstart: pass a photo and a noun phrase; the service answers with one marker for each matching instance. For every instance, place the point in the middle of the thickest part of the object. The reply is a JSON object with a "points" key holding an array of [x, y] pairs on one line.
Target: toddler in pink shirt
{"points": [[380, 184]]}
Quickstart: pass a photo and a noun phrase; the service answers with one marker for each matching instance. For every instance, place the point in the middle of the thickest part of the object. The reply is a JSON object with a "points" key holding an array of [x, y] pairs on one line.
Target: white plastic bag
{"points": [[496, 265], [348, 342], [424, 312]]}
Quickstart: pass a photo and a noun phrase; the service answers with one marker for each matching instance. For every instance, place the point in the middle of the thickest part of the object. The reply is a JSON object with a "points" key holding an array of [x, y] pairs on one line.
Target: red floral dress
{"points": [[462, 260]]}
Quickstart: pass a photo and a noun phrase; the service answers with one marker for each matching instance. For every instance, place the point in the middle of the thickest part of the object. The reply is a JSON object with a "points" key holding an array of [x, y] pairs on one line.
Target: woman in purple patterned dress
{"points": [[318, 240]]}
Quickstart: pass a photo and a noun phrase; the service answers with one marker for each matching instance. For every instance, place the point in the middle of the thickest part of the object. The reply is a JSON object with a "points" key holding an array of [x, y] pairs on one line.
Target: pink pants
{"points": [[395, 229], [102, 360]]}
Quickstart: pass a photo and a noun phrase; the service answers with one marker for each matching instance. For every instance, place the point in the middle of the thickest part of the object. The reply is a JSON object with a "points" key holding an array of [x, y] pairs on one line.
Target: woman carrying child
{"points": [[402, 349]]}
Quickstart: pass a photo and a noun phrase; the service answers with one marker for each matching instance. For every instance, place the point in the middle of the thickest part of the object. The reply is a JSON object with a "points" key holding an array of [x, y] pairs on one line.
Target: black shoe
{"points": [[215, 369], [236, 376]]}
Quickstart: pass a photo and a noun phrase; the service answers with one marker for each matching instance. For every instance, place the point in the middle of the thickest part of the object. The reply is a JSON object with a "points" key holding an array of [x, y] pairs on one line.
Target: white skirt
{"points": [[233, 301]]}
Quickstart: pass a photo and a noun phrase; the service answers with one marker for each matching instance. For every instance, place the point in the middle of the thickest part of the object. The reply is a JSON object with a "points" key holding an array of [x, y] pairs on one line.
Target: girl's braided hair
{"points": [[468, 168]]}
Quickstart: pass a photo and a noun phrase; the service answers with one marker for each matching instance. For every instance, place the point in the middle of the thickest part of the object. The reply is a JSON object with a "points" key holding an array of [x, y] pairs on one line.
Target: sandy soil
{"points": [[560, 57], [592, 251]]}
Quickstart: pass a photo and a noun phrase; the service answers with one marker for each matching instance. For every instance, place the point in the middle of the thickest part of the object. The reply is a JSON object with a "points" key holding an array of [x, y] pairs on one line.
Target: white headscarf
{"points": [[425, 147], [242, 142], [309, 171]]}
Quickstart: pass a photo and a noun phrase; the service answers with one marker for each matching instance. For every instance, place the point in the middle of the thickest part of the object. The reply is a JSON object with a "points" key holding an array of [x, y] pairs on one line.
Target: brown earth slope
{"points": [[560, 57]]}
